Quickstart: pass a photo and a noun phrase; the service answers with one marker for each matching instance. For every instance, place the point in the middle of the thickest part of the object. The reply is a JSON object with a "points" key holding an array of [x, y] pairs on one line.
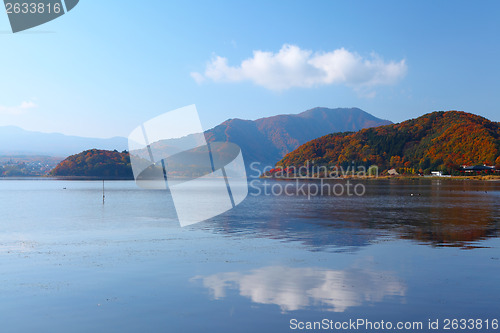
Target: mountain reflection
{"points": [[298, 288], [432, 212]]}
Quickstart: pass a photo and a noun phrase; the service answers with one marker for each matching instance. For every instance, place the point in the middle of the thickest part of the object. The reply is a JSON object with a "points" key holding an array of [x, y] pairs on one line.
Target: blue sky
{"points": [[107, 66]]}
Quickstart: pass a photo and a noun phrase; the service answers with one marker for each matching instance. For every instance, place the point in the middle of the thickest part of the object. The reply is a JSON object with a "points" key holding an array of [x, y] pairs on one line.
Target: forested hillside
{"points": [[96, 163], [437, 141]]}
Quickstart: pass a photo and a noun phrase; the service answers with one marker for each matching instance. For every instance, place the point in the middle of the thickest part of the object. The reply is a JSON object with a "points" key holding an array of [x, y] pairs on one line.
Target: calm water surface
{"points": [[68, 263]]}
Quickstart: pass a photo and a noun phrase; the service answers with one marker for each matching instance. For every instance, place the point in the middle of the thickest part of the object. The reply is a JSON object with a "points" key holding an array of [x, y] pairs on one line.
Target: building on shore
{"points": [[478, 168]]}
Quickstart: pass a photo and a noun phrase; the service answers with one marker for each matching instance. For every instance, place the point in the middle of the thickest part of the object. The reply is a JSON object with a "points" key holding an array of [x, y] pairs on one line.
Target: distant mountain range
{"points": [[437, 141], [267, 140], [264, 140], [16, 141]]}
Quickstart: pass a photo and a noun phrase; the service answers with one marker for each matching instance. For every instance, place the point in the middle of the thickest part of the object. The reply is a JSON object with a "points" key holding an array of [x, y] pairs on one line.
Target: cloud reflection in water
{"points": [[298, 288]]}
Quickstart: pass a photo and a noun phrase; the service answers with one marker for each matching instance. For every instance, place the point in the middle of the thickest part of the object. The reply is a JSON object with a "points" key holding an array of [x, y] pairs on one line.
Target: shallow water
{"points": [[68, 263]]}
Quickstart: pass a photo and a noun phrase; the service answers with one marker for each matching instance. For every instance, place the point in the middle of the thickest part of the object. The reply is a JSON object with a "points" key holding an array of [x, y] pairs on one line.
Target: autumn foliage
{"points": [[437, 141], [96, 163]]}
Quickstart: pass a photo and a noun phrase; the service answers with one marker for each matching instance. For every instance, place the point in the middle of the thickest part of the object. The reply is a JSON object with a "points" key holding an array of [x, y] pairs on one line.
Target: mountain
{"points": [[439, 141], [264, 140], [16, 141], [267, 140], [102, 164]]}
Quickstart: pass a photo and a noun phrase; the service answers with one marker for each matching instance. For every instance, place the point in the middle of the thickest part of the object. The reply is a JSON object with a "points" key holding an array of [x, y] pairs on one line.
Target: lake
{"points": [[406, 251]]}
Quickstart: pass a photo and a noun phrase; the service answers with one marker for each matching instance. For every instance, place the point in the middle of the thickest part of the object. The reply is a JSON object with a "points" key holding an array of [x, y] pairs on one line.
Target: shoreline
{"points": [[386, 177], [89, 178]]}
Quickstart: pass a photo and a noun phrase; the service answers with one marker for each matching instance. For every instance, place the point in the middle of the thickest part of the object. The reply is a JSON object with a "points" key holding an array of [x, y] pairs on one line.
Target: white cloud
{"points": [[27, 105], [295, 67], [197, 77], [19, 109]]}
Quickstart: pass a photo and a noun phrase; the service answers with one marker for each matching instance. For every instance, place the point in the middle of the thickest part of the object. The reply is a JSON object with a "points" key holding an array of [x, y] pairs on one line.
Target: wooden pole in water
{"points": [[103, 191]]}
